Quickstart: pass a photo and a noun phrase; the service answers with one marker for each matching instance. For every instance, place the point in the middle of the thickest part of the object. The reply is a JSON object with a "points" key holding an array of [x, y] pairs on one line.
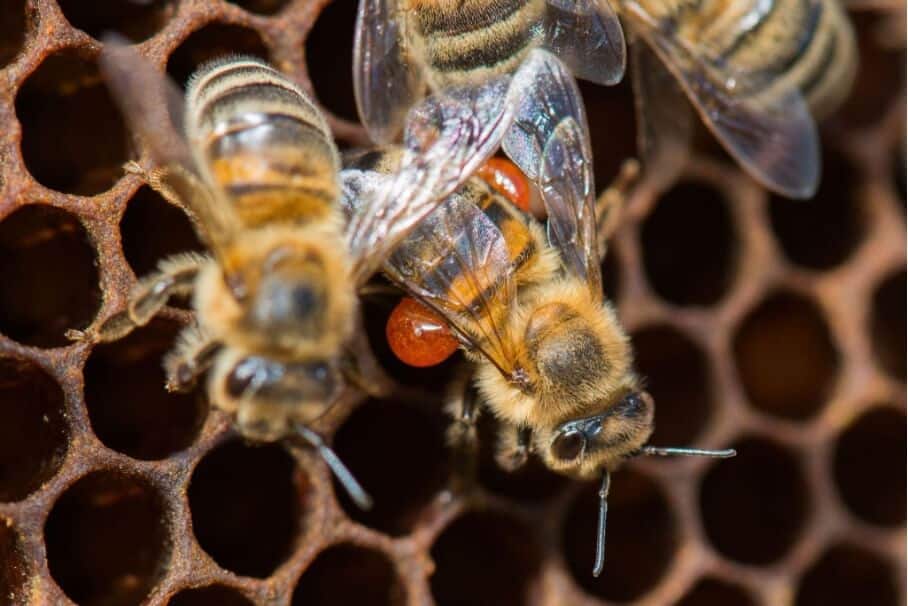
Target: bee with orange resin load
{"points": [[552, 362], [259, 174]]}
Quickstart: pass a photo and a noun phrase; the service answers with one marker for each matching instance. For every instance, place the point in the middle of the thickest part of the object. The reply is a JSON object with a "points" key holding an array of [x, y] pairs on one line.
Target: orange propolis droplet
{"points": [[418, 336], [508, 180]]}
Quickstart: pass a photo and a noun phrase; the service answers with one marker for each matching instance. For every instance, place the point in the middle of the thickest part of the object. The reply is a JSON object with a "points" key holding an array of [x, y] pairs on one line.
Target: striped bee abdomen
{"points": [[803, 44], [262, 142], [466, 42]]}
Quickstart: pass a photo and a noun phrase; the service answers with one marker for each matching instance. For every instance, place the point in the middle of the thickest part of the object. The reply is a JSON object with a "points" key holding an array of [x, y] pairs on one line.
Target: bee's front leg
{"points": [[462, 433], [513, 447]]}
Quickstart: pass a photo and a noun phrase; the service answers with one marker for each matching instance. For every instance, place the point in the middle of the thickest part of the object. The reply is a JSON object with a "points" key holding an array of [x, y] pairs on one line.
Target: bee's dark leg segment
{"points": [[515, 449], [337, 467], [600, 527], [463, 437], [359, 366], [192, 356], [176, 275], [611, 203]]}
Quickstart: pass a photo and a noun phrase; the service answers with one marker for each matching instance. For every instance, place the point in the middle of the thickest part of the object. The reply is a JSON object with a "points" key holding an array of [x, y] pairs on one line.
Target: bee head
{"points": [[584, 447], [268, 397]]}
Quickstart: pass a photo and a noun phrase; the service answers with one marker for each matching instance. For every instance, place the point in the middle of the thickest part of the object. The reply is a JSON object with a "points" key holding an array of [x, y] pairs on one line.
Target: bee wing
{"points": [[448, 137], [763, 122], [541, 95], [150, 101], [456, 262], [587, 36], [386, 81], [153, 106], [566, 183], [664, 117]]}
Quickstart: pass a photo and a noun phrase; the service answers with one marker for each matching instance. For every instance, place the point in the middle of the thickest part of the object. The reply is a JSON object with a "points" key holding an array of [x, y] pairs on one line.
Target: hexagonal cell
{"points": [[129, 408], [213, 595], [887, 324], [329, 57], [261, 7], [713, 592], [677, 375], [212, 41], [134, 20], [153, 229], [419, 462], [48, 276], [880, 77], [763, 487], [785, 357], [246, 502], [869, 466], [823, 232], [532, 482], [641, 540], [349, 574], [63, 107], [485, 557], [689, 245], [33, 434], [107, 539], [14, 572], [845, 575], [12, 29], [612, 120]]}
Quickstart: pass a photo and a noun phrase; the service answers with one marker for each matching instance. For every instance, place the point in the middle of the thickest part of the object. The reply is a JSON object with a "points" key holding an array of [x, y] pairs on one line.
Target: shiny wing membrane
{"points": [[587, 36], [664, 118], [386, 79], [151, 104], [763, 122], [542, 94], [566, 183], [456, 262], [448, 137]]}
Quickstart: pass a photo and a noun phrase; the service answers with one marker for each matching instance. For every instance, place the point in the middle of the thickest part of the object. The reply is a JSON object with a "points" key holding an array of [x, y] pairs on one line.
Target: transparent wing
{"points": [[587, 36], [664, 118], [763, 122], [153, 106], [448, 137], [542, 94], [566, 178], [456, 262], [386, 80]]}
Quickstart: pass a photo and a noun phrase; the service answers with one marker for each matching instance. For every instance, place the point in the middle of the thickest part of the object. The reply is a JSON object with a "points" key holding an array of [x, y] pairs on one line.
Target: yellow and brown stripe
{"points": [[262, 142], [463, 42], [806, 44]]}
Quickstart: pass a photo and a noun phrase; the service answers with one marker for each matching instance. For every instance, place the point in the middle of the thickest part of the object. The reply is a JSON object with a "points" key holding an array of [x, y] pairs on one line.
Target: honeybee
{"points": [[552, 361], [500, 48], [258, 172], [757, 72]]}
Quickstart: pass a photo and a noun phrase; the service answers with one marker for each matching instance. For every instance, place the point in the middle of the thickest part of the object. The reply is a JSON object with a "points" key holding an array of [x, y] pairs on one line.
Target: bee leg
{"points": [[360, 368], [175, 276], [193, 354], [158, 180], [612, 202], [462, 435], [513, 447]]}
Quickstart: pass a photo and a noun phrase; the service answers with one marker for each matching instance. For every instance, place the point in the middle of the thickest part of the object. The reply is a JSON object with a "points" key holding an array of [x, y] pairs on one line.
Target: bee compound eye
{"points": [[568, 445], [239, 378]]}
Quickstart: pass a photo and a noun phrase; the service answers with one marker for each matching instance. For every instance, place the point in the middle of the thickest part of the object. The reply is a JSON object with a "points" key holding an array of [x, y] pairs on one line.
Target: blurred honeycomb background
{"points": [[774, 327]]}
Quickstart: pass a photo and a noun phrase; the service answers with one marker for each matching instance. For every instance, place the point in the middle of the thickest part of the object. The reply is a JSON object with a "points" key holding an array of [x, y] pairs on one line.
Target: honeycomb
{"points": [[774, 327]]}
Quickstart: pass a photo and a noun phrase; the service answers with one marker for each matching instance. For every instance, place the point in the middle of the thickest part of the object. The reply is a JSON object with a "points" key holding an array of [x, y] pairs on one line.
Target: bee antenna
{"points": [[661, 451], [337, 467], [600, 528]]}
